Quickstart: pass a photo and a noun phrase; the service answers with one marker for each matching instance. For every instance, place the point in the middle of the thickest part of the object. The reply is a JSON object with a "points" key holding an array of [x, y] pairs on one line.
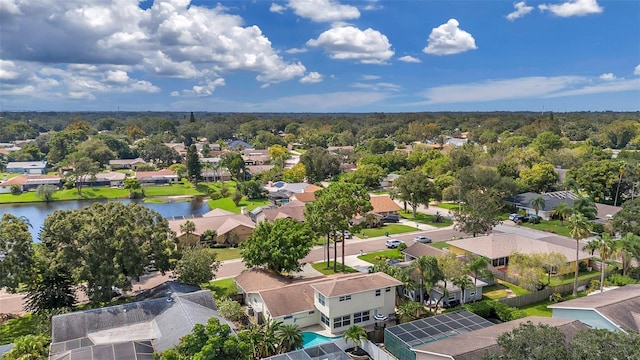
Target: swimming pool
{"points": [[310, 339]]}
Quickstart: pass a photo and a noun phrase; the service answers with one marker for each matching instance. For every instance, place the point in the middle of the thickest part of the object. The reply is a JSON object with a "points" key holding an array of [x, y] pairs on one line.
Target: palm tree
{"points": [[591, 247], [263, 338], [410, 310], [538, 203], [428, 270], [578, 230], [25, 220], [356, 334], [625, 248], [586, 207], [289, 338], [463, 282], [478, 266], [606, 248], [562, 211]]}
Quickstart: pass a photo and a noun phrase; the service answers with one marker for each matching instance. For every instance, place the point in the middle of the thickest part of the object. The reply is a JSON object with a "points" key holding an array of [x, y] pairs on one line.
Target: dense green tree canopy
{"points": [[197, 265], [278, 246], [15, 251], [415, 188], [107, 245], [320, 164]]}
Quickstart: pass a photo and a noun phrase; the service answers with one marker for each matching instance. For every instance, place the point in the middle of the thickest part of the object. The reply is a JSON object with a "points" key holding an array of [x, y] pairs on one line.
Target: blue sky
{"points": [[319, 55]]}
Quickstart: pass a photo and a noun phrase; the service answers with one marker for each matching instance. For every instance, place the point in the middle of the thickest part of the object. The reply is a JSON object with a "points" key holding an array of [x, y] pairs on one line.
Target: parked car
{"points": [[513, 216], [391, 218], [451, 304], [533, 218], [422, 239], [393, 243], [519, 218]]}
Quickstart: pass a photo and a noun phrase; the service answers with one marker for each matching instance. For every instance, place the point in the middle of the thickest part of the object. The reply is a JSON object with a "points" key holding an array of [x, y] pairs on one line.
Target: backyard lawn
{"points": [[388, 228], [321, 266], [568, 278], [499, 290], [227, 254], [538, 309], [68, 194], [448, 206], [227, 204], [172, 190], [425, 218], [221, 288], [381, 256]]}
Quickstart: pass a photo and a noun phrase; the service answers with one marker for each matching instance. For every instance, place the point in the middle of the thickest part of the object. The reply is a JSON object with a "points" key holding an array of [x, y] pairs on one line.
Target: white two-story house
{"points": [[333, 302]]}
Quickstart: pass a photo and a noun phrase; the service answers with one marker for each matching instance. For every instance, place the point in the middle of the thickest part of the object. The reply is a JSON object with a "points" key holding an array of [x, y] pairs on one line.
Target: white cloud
{"points": [[205, 89], [381, 86], [372, 5], [171, 38], [636, 71], [323, 10], [607, 77], [409, 59], [296, 50], [573, 8], [312, 78], [521, 9], [8, 70], [449, 39], [370, 77], [526, 87], [276, 8], [338, 101], [349, 43]]}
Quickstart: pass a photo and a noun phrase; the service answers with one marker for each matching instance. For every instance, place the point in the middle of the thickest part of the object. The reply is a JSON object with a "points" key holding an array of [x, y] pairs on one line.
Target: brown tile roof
{"points": [[221, 224], [383, 203], [32, 179], [293, 209], [355, 284], [419, 249], [312, 188], [305, 197], [217, 212], [257, 169], [18, 180], [151, 174], [495, 246], [253, 280], [621, 305], [604, 210], [473, 345]]}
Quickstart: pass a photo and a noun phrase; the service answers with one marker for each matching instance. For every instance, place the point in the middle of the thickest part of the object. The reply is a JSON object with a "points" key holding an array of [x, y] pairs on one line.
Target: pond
{"points": [[37, 212]]}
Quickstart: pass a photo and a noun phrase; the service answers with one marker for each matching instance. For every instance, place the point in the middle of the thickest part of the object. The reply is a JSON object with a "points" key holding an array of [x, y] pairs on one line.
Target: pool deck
{"points": [[319, 329]]}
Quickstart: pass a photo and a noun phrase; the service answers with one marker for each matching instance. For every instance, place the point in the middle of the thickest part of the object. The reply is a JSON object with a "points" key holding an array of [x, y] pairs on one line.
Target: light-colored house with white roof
{"points": [[27, 167], [335, 302]]}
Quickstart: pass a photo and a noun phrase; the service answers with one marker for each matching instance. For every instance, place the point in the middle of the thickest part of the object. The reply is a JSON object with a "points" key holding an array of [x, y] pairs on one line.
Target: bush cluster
{"points": [[620, 280], [491, 309]]}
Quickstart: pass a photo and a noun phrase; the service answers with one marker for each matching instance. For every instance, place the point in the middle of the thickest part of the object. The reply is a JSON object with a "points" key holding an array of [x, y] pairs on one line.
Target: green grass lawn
{"points": [[448, 206], [552, 226], [227, 254], [381, 256], [322, 267], [227, 204], [538, 309], [425, 219], [221, 288], [568, 278], [172, 190], [68, 194], [439, 245], [390, 228], [494, 292], [515, 288]]}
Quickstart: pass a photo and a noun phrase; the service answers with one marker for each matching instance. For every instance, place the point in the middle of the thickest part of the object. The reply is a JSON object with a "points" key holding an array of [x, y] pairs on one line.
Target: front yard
{"points": [[321, 266], [383, 230], [381, 256], [426, 219], [552, 226]]}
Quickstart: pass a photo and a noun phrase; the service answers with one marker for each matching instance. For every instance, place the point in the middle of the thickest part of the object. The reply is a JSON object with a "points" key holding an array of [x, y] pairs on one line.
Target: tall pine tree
{"points": [[194, 167]]}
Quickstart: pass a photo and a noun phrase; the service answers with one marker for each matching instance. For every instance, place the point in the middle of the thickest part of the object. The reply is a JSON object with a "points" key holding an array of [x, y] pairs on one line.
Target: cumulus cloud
{"points": [[449, 39], [636, 71], [607, 77], [344, 42], [296, 50], [323, 10], [409, 59], [205, 89], [171, 38], [521, 9], [312, 78], [277, 8], [526, 87], [573, 8], [369, 77]]}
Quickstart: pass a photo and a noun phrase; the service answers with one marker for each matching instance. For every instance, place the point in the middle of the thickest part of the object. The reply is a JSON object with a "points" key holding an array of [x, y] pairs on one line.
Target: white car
{"points": [[422, 239], [393, 243]]}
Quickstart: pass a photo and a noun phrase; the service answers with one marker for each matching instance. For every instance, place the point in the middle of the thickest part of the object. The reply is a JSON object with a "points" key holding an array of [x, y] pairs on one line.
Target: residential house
{"points": [[252, 170], [481, 340], [178, 147], [256, 157], [309, 194], [27, 167], [418, 249], [29, 182], [134, 330], [453, 293], [606, 212], [230, 228], [615, 310], [551, 201], [131, 164], [111, 178], [388, 180], [335, 303], [293, 209], [283, 186], [384, 205], [160, 177], [239, 145], [402, 340]]}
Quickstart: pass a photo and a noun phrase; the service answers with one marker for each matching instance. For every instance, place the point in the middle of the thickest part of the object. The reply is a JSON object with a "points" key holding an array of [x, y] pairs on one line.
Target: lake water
{"points": [[37, 212]]}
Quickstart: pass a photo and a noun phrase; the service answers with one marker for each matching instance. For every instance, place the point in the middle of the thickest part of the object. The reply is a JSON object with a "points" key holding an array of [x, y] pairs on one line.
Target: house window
{"points": [[324, 319], [321, 299], [452, 297], [345, 297], [378, 292], [288, 317], [362, 316], [472, 294], [387, 289], [341, 321], [312, 312]]}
